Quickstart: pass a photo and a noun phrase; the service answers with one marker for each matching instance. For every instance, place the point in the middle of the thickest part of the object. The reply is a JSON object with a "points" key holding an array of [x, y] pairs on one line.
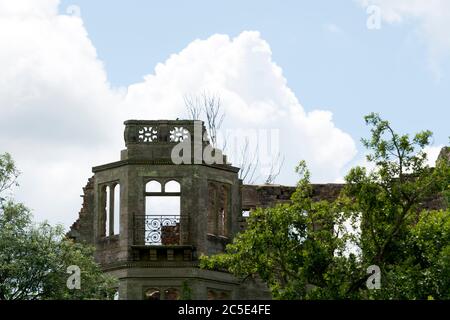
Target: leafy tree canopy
{"points": [[34, 258]]}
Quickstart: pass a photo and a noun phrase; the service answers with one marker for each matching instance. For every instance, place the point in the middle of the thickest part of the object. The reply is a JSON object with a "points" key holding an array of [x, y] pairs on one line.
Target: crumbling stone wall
{"points": [[253, 196], [263, 196], [82, 230], [444, 155]]}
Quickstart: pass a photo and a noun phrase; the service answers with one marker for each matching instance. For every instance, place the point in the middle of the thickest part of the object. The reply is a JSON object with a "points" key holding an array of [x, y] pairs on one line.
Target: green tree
{"points": [[425, 272], [389, 202], [290, 246], [306, 250], [34, 258]]}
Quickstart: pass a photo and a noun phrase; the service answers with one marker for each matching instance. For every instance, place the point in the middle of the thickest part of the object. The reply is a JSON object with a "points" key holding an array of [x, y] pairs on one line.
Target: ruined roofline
{"points": [[444, 155], [162, 121], [165, 141], [117, 164], [270, 185]]}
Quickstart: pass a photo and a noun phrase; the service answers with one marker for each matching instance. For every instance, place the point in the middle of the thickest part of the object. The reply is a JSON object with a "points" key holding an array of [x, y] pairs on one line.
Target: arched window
{"points": [[153, 294], [153, 186], [212, 295], [223, 295], [217, 294], [172, 186], [171, 294]]}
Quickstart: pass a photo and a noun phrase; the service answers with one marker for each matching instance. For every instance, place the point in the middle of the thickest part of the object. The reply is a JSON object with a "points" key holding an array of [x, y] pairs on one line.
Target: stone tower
{"points": [[170, 198]]}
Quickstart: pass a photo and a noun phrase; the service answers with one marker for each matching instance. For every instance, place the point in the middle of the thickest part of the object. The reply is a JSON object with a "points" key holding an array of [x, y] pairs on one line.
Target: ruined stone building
{"points": [[150, 219]]}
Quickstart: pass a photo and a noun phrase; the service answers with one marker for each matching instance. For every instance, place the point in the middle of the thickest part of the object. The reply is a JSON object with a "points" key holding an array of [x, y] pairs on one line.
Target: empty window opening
{"points": [[107, 210], [109, 215], [153, 186], [212, 295], [162, 213], [171, 294], [224, 295], [218, 209], [212, 218], [162, 225], [223, 210], [217, 294], [117, 209], [221, 225], [172, 186], [162, 205], [153, 294], [103, 214], [246, 213]]}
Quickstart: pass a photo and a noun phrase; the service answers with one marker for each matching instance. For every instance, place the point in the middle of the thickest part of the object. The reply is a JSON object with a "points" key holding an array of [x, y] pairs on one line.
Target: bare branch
{"points": [[275, 168], [214, 116], [210, 107], [193, 106], [249, 163]]}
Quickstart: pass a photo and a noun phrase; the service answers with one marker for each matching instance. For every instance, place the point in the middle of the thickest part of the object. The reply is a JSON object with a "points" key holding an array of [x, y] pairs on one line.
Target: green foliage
{"points": [[186, 291], [425, 272], [290, 246], [303, 249], [389, 199], [34, 258], [8, 174]]}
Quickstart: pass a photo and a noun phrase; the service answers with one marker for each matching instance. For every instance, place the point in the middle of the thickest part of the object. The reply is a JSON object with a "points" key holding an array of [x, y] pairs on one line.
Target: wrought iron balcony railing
{"points": [[157, 229]]}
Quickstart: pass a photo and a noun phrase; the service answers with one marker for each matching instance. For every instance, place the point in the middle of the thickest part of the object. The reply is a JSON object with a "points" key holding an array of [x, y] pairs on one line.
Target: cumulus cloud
{"points": [[55, 105], [432, 154], [60, 116], [255, 95], [432, 16]]}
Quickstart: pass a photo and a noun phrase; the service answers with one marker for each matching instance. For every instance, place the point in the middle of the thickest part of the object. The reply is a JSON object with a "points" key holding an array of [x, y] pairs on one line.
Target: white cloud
{"points": [[432, 154], [60, 117], [432, 17], [29, 8], [56, 106], [255, 95]]}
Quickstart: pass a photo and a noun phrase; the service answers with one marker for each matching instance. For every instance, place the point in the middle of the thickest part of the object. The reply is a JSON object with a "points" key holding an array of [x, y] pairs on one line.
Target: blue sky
{"points": [[310, 70], [351, 72]]}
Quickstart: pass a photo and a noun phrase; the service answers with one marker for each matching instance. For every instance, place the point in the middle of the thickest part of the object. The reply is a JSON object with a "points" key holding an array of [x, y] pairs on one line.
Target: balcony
{"points": [[157, 229]]}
